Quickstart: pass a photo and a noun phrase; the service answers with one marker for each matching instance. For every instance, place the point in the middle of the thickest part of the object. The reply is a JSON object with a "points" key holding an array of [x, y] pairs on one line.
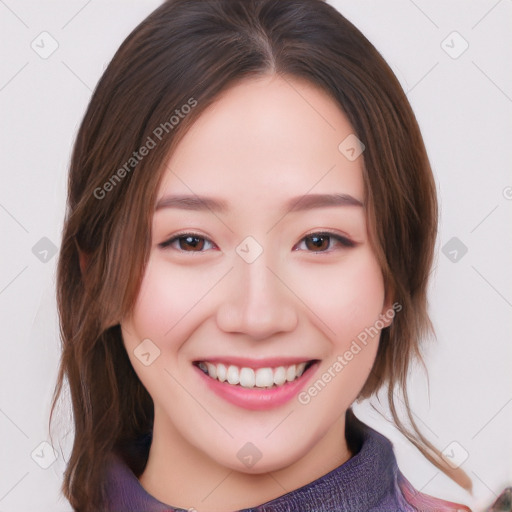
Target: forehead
{"points": [[265, 139]]}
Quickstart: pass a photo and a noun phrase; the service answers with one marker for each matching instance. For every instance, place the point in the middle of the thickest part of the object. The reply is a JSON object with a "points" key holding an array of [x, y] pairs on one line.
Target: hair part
{"points": [[198, 49]]}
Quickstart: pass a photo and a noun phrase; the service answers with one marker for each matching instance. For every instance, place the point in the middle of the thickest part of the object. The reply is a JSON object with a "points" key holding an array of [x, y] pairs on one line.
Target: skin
{"points": [[264, 141]]}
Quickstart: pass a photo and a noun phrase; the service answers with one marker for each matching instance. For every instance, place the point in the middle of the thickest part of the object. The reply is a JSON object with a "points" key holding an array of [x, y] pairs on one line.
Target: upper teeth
{"points": [[249, 378]]}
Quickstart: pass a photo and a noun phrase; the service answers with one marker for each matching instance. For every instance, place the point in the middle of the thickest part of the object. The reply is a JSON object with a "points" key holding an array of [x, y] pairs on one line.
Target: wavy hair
{"points": [[197, 49]]}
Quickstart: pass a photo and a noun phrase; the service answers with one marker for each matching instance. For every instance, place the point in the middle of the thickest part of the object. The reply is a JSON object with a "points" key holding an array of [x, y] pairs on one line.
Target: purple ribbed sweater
{"points": [[369, 481]]}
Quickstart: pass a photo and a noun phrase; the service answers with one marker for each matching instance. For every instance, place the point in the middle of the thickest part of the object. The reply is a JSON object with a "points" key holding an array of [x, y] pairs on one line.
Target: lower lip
{"points": [[258, 399]]}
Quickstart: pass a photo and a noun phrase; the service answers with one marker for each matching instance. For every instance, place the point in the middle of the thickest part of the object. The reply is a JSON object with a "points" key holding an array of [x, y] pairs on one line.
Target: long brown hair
{"points": [[186, 53]]}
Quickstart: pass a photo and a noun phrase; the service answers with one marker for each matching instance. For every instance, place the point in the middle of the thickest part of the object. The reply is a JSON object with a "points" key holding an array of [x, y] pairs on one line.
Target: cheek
{"points": [[349, 301], [347, 297], [168, 295]]}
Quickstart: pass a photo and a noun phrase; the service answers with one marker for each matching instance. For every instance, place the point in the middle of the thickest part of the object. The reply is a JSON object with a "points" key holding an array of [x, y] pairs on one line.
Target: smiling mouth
{"points": [[260, 378]]}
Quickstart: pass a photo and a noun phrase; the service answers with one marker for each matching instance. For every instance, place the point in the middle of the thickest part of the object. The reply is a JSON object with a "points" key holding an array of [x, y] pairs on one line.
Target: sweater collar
{"points": [[368, 479]]}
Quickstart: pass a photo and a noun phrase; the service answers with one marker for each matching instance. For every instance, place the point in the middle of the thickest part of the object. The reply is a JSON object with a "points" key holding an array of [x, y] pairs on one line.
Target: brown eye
{"points": [[324, 242], [188, 242], [193, 243], [317, 242]]}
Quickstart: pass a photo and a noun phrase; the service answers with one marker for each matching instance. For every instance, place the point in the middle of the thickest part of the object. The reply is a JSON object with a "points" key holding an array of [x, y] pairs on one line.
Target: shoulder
{"points": [[424, 502], [399, 496], [122, 488]]}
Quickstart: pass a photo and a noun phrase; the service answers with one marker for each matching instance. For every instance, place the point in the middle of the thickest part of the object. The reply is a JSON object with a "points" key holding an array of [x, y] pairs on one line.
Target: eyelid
{"points": [[173, 238], [344, 240]]}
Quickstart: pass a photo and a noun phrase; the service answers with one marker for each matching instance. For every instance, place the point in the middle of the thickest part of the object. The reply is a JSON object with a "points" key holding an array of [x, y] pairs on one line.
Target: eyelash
{"points": [[344, 241]]}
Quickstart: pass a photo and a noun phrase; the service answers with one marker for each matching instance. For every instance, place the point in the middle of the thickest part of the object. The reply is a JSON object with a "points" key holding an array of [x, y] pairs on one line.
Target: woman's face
{"points": [[260, 269]]}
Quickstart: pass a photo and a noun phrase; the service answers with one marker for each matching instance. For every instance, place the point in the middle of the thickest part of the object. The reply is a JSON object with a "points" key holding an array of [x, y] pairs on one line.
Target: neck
{"points": [[180, 475]]}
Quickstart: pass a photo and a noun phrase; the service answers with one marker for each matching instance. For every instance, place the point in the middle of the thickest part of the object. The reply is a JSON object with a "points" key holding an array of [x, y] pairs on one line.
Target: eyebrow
{"points": [[299, 203]]}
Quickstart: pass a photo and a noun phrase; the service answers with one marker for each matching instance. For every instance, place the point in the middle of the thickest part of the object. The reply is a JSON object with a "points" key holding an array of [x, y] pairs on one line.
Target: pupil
{"points": [[319, 242], [192, 241]]}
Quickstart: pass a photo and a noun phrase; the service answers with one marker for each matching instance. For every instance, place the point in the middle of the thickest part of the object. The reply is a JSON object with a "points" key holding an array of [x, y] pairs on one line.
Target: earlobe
{"points": [[386, 317], [83, 258], [388, 311], [84, 261]]}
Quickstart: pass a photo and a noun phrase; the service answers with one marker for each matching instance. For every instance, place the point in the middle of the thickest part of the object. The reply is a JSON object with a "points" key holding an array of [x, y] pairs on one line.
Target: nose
{"points": [[256, 301]]}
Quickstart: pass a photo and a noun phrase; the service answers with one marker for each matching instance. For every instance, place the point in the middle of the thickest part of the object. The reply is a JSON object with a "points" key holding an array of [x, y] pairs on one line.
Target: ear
{"points": [[84, 261], [389, 309], [83, 258]]}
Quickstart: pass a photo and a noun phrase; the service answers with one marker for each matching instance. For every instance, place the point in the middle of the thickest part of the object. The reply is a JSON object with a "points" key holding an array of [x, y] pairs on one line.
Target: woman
{"points": [[250, 229]]}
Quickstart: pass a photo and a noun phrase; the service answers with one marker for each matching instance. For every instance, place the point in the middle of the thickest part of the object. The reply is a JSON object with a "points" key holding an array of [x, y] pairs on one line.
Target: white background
{"points": [[464, 108]]}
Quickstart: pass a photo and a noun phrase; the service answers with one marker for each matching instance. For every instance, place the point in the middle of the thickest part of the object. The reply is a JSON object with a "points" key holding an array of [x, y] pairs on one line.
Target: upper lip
{"points": [[269, 362]]}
